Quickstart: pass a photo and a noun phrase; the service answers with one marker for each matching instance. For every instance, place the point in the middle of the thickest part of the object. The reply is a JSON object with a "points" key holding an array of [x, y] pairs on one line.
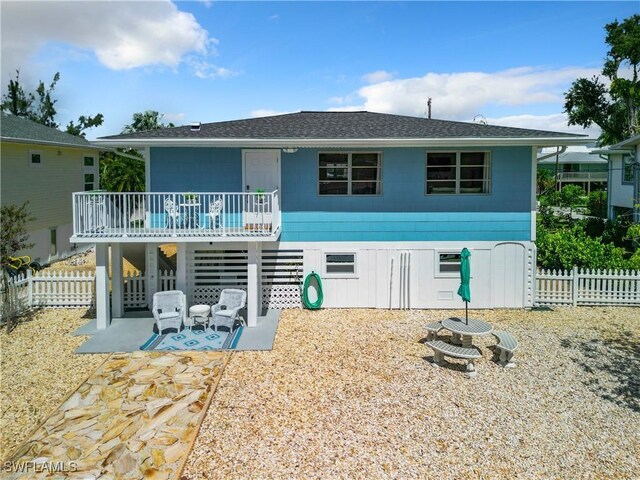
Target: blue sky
{"points": [[208, 61]]}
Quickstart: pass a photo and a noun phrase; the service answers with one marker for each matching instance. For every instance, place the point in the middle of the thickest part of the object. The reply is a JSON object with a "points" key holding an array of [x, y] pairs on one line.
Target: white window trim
{"points": [[349, 180], [630, 159], [36, 152], [340, 275], [91, 169], [458, 179], [438, 273]]}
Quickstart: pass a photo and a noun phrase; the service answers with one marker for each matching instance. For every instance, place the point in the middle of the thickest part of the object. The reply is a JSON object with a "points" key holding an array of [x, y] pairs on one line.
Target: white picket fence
{"points": [[134, 291], [588, 287], [53, 290], [77, 289]]}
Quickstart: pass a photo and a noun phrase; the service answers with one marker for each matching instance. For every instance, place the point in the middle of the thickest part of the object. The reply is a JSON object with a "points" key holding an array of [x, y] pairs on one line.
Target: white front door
{"points": [[261, 173]]}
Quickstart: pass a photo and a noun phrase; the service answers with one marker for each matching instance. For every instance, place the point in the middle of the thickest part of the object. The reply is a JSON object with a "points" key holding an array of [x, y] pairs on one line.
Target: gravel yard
{"points": [[354, 394], [38, 369]]}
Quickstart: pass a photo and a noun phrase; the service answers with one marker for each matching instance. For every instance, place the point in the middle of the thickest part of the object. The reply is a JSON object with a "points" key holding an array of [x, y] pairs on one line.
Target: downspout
{"points": [[549, 155], [559, 151]]}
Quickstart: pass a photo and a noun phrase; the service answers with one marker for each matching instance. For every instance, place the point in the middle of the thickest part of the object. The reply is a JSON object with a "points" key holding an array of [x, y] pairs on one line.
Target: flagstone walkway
{"points": [[136, 417]]}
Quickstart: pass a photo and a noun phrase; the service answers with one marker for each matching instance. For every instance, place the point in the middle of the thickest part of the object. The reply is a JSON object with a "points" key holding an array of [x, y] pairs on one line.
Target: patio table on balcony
{"points": [[190, 215], [467, 329]]}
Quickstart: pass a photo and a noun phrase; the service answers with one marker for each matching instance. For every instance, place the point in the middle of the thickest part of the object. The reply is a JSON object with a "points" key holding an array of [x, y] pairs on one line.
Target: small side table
{"points": [[199, 315]]}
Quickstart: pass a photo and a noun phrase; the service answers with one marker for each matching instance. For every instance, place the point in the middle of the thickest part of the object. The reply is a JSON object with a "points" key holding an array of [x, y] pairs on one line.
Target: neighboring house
{"points": [[577, 168], [44, 166], [624, 177], [379, 205]]}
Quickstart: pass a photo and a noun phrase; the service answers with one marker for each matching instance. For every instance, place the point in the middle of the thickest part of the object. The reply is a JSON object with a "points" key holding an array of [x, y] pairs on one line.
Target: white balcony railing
{"points": [[582, 176], [111, 215]]}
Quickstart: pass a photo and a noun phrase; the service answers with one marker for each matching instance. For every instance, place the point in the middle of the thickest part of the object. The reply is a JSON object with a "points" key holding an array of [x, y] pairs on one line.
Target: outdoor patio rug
{"points": [[194, 340]]}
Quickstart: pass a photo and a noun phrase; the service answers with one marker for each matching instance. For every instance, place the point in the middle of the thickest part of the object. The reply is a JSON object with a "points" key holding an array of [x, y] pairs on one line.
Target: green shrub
{"points": [[593, 227], [565, 249], [597, 204]]}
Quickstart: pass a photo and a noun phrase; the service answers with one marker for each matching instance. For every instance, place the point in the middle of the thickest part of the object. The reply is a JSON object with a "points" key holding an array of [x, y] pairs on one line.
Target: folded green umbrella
{"points": [[465, 275]]}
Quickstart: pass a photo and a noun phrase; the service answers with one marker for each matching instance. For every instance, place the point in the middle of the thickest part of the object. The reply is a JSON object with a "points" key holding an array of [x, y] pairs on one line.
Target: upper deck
{"points": [[197, 217]]}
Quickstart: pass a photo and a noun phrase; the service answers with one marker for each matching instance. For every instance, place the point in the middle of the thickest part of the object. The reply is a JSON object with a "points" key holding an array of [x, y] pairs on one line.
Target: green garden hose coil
{"points": [[305, 292]]}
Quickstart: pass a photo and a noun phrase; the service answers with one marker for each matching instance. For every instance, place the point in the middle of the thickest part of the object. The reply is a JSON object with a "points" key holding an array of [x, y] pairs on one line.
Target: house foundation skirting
{"points": [[397, 275]]}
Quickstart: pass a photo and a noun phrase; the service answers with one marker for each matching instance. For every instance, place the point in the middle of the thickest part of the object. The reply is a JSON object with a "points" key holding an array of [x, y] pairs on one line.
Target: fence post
{"points": [[30, 288], [574, 286]]}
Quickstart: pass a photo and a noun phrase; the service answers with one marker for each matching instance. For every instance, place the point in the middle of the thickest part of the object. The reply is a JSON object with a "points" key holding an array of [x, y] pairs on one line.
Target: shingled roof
{"points": [[21, 130], [340, 125]]}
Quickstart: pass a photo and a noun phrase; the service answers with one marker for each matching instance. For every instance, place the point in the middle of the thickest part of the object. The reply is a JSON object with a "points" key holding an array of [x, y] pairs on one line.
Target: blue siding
{"points": [[182, 169], [402, 213], [415, 226]]}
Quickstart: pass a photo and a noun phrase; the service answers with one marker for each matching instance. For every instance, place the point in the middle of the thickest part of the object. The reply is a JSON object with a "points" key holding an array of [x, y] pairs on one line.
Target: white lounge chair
{"points": [[215, 211], [225, 312], [169, 309], [172, 213]]}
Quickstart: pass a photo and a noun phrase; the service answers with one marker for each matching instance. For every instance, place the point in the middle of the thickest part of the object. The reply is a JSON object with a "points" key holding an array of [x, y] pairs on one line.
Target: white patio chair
{"points": [[225, 312], [215, 211], [169, 309], [172, 213]]}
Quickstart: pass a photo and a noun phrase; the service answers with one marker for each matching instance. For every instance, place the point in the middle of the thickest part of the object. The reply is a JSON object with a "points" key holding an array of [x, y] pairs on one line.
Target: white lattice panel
{"points": [[208, 295], [281, 296]]}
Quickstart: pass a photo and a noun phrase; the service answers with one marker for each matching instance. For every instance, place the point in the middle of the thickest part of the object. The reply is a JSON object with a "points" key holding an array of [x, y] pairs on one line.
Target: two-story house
{"points": [[379, 205], [624, 178], [44, 166]]}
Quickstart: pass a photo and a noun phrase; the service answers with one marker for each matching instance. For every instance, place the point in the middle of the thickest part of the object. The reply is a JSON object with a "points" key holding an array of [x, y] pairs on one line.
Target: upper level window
{"points": [[452, 173], [35, 158], [627, 170], [356, 173], [90, 172]]}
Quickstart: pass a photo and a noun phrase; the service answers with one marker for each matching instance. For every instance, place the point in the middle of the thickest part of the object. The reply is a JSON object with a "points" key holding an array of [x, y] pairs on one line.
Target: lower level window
{"points": [[448, 263], [340, 263]]}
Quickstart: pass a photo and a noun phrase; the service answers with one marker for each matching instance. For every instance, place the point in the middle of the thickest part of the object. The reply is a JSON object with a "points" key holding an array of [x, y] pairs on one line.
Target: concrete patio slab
{"points": [[129, 333]]}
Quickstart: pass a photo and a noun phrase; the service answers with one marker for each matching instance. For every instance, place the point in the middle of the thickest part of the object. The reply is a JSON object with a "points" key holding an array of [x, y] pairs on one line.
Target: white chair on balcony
{"points": [[225, 312], [169, 309], [172, 213], [215, 212]]}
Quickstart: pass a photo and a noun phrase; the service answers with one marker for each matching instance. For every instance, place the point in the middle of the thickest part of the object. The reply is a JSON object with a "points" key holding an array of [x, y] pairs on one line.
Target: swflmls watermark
{"points": [[40, 467]]}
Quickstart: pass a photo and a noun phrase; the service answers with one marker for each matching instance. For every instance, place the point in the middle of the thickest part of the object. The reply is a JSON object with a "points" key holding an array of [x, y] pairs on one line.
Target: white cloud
{"points": [[349, 108], [175, 118], [265, 112], [204, 69], [378, 76], [460, 96], [122, 35], [555, 123]]}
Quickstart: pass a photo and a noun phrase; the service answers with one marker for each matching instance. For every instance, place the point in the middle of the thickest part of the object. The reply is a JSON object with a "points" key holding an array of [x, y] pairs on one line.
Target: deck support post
{"points": [[253, 287], [103, 307], [117, 294], [181, 267], [151, 271]]}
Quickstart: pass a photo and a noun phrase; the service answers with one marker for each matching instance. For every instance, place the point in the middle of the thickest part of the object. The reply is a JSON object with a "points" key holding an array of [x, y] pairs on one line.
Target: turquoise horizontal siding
{"points": [[188, 169], [416, 226], [401, 213]]}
